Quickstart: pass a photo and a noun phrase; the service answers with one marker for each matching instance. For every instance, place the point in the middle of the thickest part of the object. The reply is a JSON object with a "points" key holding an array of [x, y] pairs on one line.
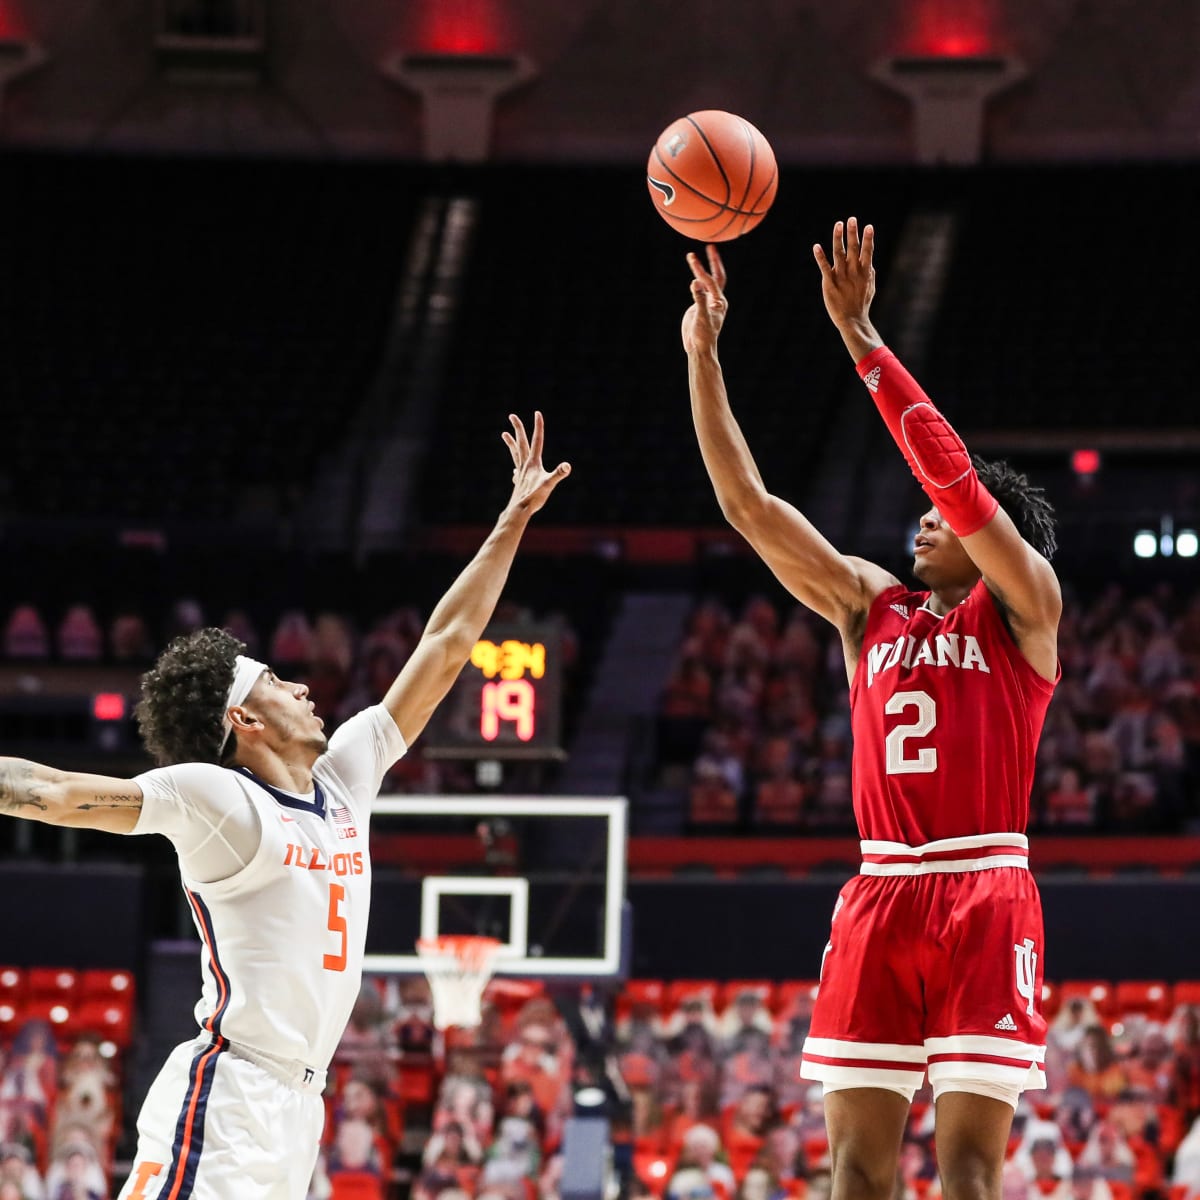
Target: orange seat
{"points": [[1186, 991], [648, 992], [1150, 997], [680, 990], [12, 985], [787, 992], [1098, 991], [1051, 1000], [111, 1019], [96, 984], [764, 989], [51, 983]]}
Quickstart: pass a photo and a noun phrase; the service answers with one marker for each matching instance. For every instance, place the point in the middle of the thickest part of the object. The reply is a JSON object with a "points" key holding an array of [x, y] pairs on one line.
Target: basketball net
{"points": [[458, 968]]}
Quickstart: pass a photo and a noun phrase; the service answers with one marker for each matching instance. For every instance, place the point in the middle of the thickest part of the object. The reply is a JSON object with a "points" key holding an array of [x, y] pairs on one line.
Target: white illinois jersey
{"points": [[283, 935]]}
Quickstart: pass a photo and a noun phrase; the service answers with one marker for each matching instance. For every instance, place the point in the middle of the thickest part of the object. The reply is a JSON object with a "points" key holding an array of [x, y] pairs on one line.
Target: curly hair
{"points": [[182, 707], [1031, 512]]}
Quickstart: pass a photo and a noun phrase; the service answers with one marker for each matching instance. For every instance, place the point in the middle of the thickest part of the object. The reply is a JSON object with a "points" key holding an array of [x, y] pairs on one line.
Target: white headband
{"points": [[246, 673]]}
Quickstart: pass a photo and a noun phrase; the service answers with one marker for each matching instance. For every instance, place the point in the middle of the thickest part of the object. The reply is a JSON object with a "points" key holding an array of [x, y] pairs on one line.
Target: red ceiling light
{"points": [[461, 27], [952, 28], [108, 706]]}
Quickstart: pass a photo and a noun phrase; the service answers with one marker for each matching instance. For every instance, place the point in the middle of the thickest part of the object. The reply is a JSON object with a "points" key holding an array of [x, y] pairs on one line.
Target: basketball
{"points": [[712, 175]]}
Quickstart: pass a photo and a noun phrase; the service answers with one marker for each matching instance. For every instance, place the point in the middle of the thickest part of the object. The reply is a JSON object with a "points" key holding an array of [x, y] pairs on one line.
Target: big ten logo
{"points": [[509, 697], [312, 858]]}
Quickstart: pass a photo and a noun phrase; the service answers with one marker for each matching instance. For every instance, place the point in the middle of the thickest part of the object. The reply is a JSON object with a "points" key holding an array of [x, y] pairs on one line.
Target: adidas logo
{"points": [[902, 609], [871, 379], [1007, 1024]]}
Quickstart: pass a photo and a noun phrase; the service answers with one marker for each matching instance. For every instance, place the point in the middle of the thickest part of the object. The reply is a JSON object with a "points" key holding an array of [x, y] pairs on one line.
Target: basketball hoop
{"points": [[458, 967]]}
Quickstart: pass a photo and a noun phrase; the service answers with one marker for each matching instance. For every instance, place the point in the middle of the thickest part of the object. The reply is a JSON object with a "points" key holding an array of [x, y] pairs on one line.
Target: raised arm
{"points": [[837, 586], [38, 793], [463, 612], [1020, 578]]}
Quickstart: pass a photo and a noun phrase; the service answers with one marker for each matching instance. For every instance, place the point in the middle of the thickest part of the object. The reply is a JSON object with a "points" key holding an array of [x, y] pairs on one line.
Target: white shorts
{"points": [[216, 1124]]}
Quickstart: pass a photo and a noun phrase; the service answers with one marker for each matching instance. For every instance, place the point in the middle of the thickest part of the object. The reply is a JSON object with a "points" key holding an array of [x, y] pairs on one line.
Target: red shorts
{"points": [[933, 963]]}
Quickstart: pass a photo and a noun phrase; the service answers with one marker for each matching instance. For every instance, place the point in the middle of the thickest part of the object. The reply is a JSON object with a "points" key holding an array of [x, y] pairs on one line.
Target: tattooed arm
{"points": [[38, 793]]}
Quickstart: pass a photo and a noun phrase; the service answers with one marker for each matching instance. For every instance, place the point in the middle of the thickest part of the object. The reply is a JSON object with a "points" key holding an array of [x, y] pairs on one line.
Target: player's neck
{"points": [[289, 773], [940, 602]]}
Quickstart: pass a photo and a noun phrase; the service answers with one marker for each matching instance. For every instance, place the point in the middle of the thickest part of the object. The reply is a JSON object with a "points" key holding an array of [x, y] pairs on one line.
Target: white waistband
{"points": [[978, 852], [296, 1075]]}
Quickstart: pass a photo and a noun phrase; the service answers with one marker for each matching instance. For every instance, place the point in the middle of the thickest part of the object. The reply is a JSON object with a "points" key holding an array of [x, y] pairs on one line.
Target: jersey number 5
{"points": [[925, 759], [337, 924]]}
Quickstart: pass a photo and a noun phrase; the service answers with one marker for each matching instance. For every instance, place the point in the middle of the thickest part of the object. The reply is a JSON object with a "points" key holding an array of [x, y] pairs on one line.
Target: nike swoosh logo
{"points": [[286, 820], [667, 190]]}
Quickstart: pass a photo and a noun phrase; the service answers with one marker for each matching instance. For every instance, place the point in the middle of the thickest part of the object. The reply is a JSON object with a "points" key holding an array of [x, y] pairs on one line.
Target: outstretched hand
{"points": [[532, 483], [702, 322], [848, 283]]}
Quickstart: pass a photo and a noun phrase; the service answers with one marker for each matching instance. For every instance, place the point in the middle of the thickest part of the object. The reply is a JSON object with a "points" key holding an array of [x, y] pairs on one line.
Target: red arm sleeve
{"points": [[934, 452]]}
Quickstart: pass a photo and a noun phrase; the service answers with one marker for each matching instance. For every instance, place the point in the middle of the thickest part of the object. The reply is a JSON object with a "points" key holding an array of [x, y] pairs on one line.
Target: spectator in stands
{"points": [[533, 1059], [130, 639], [82, 1112], [25, 634], [354, 1151], [17, 1169], [1185, 1068], [1042, 1154], [79, 638], [439, 1176], [760, 1184], [466, 1100], [29, 1082], [711, 800], [694, 1101], [455, 1142], [1089, 1184], [1108, 1153], [701, 1149], [238, 622], [783, 1156], [364, 1044], [748, 1066], [1150, 1071], [745, 1013], [513, 1156], [361, 1101], [187, 616], [412, 1026], [1187, 1160], [1045, 1168], [690, 1183], [915, 1169], [521, 1101], [1068, 802], [76, 1174], [1075, 1017], [1095, 1067], [779, 796], [291, 643], [745, 1127]]}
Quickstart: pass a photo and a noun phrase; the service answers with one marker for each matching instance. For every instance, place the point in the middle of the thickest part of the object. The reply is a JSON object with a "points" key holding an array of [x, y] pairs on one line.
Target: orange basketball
{"points": [[712, 175]]}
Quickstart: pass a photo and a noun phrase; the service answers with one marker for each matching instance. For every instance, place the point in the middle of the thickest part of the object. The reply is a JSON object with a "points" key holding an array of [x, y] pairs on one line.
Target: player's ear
{"points": [[242, 720]]}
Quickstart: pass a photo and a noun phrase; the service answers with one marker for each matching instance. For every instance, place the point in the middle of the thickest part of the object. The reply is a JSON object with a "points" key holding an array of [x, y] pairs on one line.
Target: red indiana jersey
{"points": [[946, 714]]}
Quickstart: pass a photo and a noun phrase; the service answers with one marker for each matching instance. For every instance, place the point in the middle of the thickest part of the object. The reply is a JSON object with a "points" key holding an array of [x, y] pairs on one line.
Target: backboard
{"points": [[544, 875]]}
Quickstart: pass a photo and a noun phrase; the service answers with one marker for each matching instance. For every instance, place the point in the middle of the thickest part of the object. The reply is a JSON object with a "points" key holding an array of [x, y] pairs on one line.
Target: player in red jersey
{"points": [[934, 962]]}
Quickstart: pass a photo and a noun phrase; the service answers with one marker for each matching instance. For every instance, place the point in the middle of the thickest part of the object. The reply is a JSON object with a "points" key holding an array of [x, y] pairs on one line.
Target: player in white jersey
{"points": [[270, 823]]}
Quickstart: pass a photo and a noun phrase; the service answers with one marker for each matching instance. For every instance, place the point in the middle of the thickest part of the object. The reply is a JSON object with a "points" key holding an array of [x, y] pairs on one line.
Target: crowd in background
{"points": [[345, 667], [60, 1115], [479, 1113], [754, 720], [720, 1110]]}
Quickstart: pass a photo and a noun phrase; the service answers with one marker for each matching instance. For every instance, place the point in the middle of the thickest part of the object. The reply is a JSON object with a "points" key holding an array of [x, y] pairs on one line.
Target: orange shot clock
{"points": [[507, 701]]}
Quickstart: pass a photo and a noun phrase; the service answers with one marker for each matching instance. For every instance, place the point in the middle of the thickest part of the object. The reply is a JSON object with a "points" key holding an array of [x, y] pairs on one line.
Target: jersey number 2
{"points": [[925, 759], [337, 924]]}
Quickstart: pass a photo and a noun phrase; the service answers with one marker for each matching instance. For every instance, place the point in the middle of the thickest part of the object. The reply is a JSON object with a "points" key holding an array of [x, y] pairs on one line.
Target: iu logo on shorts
{"points": [[1026, 973]]}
